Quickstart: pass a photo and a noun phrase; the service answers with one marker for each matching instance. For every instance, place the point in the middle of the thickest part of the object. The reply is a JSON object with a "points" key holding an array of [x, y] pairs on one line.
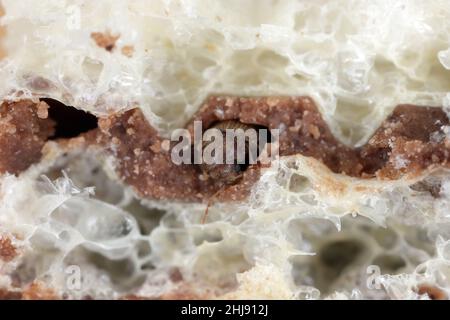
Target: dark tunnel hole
{"points": [[70, 122], [261, 144]]}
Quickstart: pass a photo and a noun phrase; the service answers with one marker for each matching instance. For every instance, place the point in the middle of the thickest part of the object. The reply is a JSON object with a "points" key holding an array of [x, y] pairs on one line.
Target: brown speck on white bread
{"points": [[105, 40]]}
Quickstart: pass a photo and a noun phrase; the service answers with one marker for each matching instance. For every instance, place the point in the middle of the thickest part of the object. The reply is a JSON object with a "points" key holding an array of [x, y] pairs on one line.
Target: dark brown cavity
{"points": [[69, 121]]}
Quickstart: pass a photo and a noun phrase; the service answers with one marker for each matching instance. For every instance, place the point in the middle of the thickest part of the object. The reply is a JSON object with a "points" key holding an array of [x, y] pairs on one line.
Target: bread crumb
{"points": [[165, 145], [156, 147], [229, 102], [128, 51], [114, 140], [105, 40], [314, 130], [272, 101], [42, 110]]}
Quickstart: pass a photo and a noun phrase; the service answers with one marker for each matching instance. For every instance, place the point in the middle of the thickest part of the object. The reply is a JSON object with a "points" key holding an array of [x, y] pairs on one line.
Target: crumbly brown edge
{"points": [[409, 141]]}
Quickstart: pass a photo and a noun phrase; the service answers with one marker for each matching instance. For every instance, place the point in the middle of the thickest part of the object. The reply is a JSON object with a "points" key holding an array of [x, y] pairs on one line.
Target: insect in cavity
{"points": [[226, 175]]}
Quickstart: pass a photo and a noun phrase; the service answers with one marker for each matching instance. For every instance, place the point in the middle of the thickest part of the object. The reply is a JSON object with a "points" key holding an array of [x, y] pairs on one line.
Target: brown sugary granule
{"points": [[165, 145], [42, 110], [314, 130], [105, 40], [128, 51], [156, 147]]}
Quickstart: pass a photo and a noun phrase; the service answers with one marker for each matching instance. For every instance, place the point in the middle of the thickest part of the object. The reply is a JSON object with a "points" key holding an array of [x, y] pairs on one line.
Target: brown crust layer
{"points": [[409, 141]]}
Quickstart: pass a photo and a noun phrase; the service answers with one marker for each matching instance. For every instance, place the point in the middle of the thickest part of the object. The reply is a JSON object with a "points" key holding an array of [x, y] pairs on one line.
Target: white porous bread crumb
{"points": [[74, 223]]}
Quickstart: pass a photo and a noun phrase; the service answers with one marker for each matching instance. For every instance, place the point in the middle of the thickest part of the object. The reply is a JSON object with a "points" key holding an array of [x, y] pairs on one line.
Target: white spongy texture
{"points": [[305, 233], [294, 239], [357, 59]]}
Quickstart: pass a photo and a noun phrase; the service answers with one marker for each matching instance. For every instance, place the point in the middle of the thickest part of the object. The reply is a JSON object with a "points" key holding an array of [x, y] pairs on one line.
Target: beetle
{"points": [[226, 174]]}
